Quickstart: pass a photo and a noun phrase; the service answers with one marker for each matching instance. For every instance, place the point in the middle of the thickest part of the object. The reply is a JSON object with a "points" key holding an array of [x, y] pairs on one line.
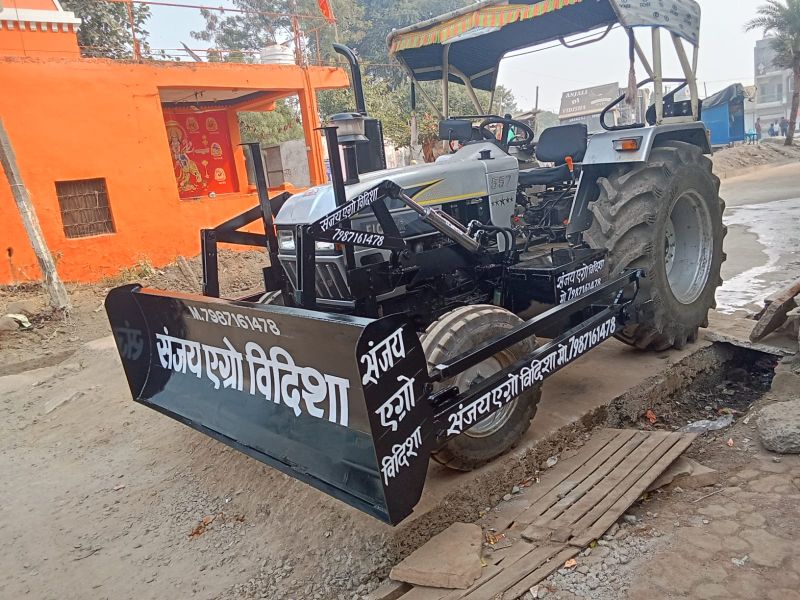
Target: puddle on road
{"points": [[776, 226]]}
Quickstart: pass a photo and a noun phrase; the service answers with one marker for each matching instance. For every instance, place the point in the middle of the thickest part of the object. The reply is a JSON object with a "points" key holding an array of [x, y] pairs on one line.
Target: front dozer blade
{"points": [[338, 402]]}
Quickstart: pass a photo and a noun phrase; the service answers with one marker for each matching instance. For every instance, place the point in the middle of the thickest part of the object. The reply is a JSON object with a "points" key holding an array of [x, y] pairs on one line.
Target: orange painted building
{"points": [[37, 28], [127, 161]]}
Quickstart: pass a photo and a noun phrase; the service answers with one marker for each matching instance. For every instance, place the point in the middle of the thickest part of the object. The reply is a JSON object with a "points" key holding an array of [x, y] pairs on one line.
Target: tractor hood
{"points": [[452, 177]]}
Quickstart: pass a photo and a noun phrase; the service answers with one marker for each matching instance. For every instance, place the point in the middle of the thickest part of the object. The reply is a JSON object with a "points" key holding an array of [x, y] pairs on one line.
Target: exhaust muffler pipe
{"points": [[355, 73]]}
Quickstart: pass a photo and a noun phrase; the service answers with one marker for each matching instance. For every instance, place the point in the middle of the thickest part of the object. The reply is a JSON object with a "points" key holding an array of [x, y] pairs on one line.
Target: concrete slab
{"points": [[686, 474], [735, 329], [451, 559]]}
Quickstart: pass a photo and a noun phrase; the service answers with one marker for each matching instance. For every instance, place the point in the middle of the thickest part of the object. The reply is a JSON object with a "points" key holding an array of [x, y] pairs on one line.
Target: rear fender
{"points": [[601, 158], [600, 150]]}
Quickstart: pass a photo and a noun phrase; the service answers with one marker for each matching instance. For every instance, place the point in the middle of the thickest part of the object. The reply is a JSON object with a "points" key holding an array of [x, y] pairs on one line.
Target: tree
{"points": [[381, 17], [781, 20], [545, 119], [267, 23], [105, 29], [504, 101], [389, 105], [392, 106], [362, 25], [272, 127]]}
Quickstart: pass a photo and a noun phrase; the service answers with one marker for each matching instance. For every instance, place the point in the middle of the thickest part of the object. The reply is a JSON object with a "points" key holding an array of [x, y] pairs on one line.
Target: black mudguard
{"points": [[338, 402]]}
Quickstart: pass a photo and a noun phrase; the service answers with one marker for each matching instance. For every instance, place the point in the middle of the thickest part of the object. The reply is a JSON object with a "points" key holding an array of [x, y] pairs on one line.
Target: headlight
{"points": [[286, 242], [286, 239]]}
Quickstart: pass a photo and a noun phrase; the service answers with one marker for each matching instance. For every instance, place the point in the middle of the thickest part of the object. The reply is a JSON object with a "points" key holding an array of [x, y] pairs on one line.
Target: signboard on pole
{"points": [[588, 101]]}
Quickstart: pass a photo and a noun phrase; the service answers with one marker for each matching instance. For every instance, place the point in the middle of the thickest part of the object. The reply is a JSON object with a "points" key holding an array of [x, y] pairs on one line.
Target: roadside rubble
{"points": [[780, 310], [599, 571], [706, 425], [18, 315], [726, 542], [730, 162], [779, 427], [451, 559], [779, 423], [686, 473]]}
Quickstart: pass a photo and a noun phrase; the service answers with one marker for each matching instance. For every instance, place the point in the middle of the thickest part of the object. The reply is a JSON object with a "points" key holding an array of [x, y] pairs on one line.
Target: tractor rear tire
{"points": [[664, 216], [460, 331]]}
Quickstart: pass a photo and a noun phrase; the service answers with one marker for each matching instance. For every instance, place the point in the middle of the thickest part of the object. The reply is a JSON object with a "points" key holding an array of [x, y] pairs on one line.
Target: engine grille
{"points": [[329, 280]]}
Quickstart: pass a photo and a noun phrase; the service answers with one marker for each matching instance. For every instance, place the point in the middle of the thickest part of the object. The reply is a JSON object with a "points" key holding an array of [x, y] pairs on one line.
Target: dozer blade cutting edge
{"points": [[285, 386]]}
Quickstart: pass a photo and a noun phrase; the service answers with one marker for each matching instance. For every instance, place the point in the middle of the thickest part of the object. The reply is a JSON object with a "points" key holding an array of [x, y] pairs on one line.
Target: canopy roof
{"points": [[480, 35]]}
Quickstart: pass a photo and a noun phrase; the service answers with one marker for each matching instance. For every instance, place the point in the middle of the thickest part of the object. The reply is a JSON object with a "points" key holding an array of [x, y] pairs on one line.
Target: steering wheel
{"points": [[507, 124]]}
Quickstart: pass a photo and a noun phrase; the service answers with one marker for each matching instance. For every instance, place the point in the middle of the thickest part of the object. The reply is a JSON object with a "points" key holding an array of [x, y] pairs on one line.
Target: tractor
{"points": [[413, 314]]}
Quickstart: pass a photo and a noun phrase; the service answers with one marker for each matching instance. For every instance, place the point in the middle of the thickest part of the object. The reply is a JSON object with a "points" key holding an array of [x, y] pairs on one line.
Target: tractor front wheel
{"points": [[462, 330]]}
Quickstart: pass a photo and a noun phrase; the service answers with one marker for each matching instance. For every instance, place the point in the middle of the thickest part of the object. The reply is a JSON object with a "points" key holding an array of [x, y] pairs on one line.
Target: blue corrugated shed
{"points": [[723, 115]]}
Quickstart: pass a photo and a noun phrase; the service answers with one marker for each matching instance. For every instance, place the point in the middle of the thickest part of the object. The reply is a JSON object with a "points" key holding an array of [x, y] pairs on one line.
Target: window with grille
{"points": [[84, 207]]}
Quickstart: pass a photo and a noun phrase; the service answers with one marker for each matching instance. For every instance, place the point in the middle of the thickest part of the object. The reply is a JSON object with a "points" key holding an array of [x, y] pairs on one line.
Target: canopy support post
{"points": [[643, 58], [470, 90], [658, 76], [446, 81], [689, 73], [425, 96]]}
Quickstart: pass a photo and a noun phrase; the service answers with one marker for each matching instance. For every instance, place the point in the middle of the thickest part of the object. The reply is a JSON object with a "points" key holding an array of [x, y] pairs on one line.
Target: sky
{"points": [[726, 54]]}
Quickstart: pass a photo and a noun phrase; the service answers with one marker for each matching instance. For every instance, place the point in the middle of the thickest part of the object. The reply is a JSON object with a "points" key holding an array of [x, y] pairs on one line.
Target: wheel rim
{"points": [[476, 375], [689, 246]]}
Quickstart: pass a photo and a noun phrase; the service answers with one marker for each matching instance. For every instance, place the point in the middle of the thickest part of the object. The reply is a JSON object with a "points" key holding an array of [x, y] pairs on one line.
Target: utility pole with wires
{"points": [[56, 292], [297, 34], [137, 53]]}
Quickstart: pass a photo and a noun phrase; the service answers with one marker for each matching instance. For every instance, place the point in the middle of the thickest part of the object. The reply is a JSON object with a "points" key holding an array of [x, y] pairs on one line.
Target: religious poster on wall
{"points": [[202, 153]]}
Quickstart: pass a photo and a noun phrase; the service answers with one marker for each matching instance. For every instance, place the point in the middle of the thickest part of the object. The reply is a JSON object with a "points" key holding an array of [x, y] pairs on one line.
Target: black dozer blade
{"points": [[338, 402]]}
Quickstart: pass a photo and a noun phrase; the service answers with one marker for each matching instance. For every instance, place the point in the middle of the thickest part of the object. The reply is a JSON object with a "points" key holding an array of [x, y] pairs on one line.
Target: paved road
{"points": [[763, 242]]}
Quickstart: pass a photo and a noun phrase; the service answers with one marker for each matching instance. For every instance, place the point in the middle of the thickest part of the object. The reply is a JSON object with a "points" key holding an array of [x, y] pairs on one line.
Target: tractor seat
{"points": [[544, 175], [555, 145]]}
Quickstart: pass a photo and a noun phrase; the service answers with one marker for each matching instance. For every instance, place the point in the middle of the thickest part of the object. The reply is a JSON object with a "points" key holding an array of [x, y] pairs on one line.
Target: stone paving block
{"points": [[767, 550], [724, 527], [717, 511], [450, 559], [779, 427], [686, 474], [708, 591], [767, 484], [389, 590], [786, 382]]}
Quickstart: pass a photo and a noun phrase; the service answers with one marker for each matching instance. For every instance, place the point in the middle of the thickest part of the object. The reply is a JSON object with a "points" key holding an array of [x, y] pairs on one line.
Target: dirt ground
{"points": [[736, 539], [729, 162], [54, 337], [102, 498]]}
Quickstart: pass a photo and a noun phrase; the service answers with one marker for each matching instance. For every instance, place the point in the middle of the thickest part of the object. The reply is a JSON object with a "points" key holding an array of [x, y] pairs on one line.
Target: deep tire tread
{"points": [[633, 200], [438, 340]]}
